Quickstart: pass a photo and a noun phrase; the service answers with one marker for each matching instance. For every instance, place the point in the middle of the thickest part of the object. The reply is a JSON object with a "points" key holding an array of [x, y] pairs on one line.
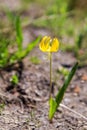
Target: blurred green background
{"points": [[65, 19]]}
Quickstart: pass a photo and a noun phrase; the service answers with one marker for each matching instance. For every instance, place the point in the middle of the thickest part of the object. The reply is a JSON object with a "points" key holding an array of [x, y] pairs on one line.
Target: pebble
{"points": [[85, 127]]}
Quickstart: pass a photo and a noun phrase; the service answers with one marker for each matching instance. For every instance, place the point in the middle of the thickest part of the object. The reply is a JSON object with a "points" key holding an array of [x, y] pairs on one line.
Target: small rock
{"points": [[77, 89], [84, 77], [85, 127]]}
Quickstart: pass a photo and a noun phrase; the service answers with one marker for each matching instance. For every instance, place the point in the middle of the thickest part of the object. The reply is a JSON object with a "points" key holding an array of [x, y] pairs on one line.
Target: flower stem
{"points": [[50, 94]]}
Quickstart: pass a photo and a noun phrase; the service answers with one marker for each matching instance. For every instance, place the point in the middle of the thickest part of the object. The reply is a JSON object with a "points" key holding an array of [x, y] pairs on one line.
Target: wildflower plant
{"points": [[50, 45]]}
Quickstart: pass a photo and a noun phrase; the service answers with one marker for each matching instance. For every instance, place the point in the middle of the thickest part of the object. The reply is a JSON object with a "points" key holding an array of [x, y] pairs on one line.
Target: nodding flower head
{"points": [[48, 44]]}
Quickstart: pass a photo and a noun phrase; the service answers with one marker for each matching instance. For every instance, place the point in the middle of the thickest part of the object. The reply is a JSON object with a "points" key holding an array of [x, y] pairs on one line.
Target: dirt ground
{"points": [[26, 104]]}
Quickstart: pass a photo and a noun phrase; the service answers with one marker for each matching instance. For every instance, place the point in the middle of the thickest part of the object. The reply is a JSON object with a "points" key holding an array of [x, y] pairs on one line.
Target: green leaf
{"points": [[19, 55], [19, 35], [53, 106], [14, 79], [60, 94]]}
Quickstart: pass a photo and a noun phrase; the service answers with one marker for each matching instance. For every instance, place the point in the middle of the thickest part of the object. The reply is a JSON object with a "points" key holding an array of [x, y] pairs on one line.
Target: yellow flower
{"points": [[49, 45]]}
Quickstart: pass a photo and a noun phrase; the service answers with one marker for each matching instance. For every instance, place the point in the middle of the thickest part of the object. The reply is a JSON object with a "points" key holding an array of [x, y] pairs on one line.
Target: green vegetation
{"points": [[58, 16], [2, 105], [11, 47], [35, 60], [63, 71], [14, 79], [54, 103]]}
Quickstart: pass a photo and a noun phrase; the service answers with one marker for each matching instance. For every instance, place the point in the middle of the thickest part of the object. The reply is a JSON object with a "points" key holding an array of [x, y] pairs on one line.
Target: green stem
{"points": [[50, 94]]}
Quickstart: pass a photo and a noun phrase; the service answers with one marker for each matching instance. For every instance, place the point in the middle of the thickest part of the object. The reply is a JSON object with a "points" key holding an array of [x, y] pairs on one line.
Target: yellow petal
{"points": [[55, 45], [41, 45], [44, 44]]}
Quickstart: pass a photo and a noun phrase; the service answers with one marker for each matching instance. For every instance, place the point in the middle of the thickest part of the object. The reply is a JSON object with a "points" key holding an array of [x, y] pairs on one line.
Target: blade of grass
{"points": [[10, 15], [19, 35]]}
